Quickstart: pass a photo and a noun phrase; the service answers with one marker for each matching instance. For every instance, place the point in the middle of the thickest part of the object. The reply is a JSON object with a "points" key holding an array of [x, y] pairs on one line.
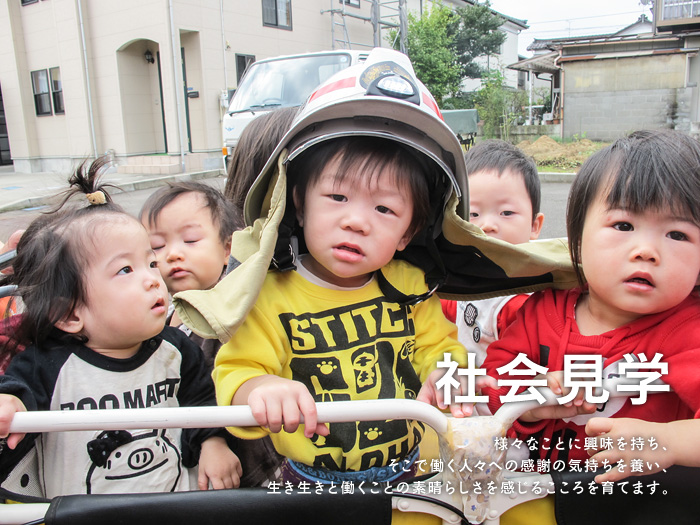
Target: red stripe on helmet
{"points": [[340, 84], [432, 105]]}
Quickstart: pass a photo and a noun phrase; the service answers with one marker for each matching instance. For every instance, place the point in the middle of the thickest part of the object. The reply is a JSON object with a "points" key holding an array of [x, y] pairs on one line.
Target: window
{"points": [[674, 9], [42, 98], [243, 62], [353, 3], [56, 90], [47, 86], [277, 13]]}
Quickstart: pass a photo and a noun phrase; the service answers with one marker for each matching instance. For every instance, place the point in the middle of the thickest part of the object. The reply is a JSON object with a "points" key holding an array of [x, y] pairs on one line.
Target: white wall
{"points": [[126, 101]]}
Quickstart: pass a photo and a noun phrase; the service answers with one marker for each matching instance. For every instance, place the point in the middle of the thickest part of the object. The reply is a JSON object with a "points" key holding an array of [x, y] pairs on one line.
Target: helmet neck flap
{"points": [[380, 98]]}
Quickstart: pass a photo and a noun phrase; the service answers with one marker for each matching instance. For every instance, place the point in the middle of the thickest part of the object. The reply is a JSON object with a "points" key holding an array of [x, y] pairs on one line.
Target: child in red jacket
{"points": [[633, 224]]}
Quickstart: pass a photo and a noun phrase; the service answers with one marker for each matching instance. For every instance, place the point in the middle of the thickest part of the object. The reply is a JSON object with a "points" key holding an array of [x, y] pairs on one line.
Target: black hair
{"points": [[257, 142], [368, 157], [655, 170], [222, 212], [54, 251], [502, 156]]}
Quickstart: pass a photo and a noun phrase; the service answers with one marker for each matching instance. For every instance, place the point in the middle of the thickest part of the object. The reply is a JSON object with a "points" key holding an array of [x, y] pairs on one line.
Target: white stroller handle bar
{"points": [[338, 411], [241, 416], [511, 411], [20, 514], [203, 417]]}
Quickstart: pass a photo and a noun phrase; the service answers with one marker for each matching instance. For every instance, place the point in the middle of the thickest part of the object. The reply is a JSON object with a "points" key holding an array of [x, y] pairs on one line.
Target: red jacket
{"points": [[545, 329]]}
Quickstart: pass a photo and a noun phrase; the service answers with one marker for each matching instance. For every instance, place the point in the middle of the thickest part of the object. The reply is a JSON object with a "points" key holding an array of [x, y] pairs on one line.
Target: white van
{"points": [[280, 82]]}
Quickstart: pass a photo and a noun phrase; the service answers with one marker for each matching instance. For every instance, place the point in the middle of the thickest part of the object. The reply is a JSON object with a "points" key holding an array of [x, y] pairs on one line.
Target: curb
{"points": [[556, 177], [143, 184]]}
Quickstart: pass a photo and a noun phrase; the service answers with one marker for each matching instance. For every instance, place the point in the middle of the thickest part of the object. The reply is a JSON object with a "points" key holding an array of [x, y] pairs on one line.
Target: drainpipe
{"points": [[176, 84], [529, 85], [376, 28], [223, 41], [87, 80], [561, 98]]}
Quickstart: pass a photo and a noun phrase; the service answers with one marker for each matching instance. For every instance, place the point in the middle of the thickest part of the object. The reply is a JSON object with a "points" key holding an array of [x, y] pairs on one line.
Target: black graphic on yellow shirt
{"points": [[347, 327], [378, 446], [363, 351]]}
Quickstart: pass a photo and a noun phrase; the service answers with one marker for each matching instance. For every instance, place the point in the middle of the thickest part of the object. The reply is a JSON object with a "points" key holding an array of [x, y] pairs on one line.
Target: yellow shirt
{"points": [[343, 345]]}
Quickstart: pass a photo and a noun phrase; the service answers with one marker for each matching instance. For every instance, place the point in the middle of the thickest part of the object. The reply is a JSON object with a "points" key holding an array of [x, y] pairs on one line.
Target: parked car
{"points": [[280, 82]]}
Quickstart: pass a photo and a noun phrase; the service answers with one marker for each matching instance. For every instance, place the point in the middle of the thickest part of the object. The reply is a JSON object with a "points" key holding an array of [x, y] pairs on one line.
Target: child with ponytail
{"points": [[94, 325]]}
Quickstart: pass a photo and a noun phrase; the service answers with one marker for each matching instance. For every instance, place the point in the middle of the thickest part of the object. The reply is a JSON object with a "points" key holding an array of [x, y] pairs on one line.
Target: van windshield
{"points": [[284, 82]]}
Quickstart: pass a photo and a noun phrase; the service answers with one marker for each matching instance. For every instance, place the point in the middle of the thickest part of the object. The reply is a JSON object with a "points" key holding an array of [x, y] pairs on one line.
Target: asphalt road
{"points": [[554, 196], [131, 201]]}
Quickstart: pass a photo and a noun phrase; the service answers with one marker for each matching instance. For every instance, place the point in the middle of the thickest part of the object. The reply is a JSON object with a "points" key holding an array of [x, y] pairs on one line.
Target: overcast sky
{"points": [[563, 18]]}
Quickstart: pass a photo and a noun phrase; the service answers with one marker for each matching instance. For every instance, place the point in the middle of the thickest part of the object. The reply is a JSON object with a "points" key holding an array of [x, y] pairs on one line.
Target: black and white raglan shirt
{"points": [[167, 371]]}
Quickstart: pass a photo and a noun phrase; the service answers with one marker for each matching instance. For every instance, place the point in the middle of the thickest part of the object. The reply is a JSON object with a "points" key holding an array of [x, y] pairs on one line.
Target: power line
{"points": [[567, 29], [586, 17]]}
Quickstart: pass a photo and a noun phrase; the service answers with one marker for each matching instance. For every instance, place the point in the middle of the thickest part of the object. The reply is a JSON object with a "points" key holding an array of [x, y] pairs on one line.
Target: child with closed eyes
{"points": [[94, 322], [190, 226]]}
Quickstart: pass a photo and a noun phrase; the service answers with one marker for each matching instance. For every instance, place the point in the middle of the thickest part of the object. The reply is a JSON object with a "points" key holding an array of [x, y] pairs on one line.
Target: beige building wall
{"points": [[15, 87], [47, 39], [118, 103]]}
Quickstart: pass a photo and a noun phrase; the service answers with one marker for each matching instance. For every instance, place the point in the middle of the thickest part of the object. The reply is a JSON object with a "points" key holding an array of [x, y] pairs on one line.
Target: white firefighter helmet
{"points": [[380, 97]]}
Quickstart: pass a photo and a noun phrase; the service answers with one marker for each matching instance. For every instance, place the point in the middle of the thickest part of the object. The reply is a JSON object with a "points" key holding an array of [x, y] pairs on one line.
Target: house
{"points": [[146, 81], [683, 19], [677, 16], [604, 86]]}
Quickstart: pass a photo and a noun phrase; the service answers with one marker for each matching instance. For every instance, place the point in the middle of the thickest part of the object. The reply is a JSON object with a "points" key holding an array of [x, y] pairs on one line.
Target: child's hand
{"points": [[11, 244], [573, 407], [218, 465], [626, 429], [279, 403], [555, 382], [429, 394], [9, 406]]}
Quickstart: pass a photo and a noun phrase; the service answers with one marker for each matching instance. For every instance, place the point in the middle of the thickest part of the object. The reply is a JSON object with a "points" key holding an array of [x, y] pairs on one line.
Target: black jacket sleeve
{"points": [[196, 389], [31, 376]]}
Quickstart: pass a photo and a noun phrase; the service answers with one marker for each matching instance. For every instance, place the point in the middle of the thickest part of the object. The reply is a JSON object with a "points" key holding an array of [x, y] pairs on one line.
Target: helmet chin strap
{"points": [[284, 258], [396, 296], [286, 249], [422, 251]]}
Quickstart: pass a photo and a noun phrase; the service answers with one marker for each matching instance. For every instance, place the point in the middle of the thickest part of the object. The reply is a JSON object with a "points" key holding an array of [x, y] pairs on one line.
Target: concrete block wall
{"points": [[609, 115], [607, 99]]}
